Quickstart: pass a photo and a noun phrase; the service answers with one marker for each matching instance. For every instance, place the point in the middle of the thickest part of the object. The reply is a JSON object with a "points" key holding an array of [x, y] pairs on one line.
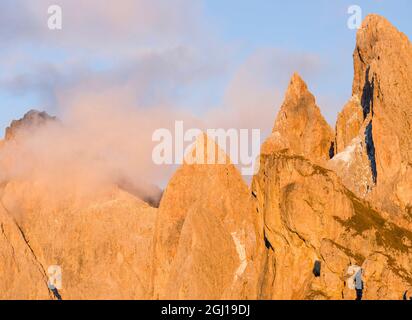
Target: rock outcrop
{"points": [[348, 125], [382, 85], [300, 126], [316, 222], [205, 232], [102, 245], [353, 166], [321, 205], [22, 276], [309, 217]]}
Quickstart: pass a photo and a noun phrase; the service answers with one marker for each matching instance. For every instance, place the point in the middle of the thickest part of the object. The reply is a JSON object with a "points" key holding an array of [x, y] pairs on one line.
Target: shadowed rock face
{"points": [[383, 85]]}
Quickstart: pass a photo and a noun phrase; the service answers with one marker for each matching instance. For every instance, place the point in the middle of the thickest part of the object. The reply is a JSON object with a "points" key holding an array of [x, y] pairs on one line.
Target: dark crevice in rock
{"points": [[360, 55], [367, 106], [367, 95], [39, 265], [370, 148], [332, 150], [316, 269], [268, 244]]}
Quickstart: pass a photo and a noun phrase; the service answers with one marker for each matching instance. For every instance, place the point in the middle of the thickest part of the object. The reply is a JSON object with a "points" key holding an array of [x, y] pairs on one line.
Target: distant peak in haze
{"points": [[32, 119]]}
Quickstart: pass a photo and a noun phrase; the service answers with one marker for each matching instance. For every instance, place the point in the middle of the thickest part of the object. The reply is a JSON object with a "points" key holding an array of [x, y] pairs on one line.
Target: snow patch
{"points": [[348, 154], [241, 251]]}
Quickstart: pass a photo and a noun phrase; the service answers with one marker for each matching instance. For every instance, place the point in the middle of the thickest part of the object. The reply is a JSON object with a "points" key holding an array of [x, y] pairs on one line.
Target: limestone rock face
{"points": [[22, 276], [383, 68], [348, 125], [205, 235], [301, 125], [275, 143], [403, 189], [309, 217], [306, 219], [102, 245], [353, 166]]}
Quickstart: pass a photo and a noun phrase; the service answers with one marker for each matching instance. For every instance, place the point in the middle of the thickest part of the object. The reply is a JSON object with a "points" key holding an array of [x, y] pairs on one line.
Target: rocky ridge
{"points": [[321, 202]]}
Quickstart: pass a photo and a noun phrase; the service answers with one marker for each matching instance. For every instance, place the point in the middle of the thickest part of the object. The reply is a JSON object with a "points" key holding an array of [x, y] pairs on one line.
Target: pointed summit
{"points": [[300, 124], [296, 78], [375, 22], [383, 85], [205, 231], [376, 28], [296, 86], [378, 42], [206, 151]]}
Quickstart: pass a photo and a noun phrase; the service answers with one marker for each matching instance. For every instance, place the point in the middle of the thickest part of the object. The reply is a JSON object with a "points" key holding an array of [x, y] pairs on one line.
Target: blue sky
{"points": [[199, 56]]}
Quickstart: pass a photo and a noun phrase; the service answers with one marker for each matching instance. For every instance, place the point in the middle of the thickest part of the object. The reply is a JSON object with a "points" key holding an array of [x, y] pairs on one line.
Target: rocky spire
{"points": [[383, 69], [383, 88], [205, 234], [301, 124]]}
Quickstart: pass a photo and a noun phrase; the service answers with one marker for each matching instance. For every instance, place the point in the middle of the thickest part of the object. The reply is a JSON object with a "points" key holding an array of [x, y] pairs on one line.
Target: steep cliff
{"points": [[310, 217], [300, 126], [206, 237], [382, 87]]}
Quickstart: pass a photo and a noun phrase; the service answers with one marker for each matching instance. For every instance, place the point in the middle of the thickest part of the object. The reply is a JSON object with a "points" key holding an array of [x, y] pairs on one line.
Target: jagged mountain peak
{"points": [[297, 89], [206, 151], [296, 86], [376, 27], [31, 120], [295, 234], [300, 124], [205, 222]]}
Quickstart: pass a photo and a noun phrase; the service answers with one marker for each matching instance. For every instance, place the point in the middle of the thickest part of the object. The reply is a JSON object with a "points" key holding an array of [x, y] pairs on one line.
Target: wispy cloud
{"points": [[116, 72]]}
